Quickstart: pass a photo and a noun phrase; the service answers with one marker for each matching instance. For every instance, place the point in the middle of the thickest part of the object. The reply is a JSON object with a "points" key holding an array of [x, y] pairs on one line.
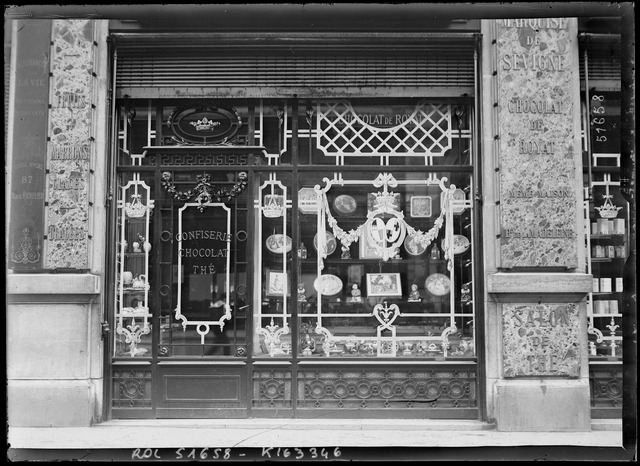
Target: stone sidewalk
{"points": [[288, 439]]}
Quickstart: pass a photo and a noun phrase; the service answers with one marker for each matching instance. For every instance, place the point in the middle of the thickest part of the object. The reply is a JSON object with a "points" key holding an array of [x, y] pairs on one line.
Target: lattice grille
{"points": [[371, 389], [341, 132]]}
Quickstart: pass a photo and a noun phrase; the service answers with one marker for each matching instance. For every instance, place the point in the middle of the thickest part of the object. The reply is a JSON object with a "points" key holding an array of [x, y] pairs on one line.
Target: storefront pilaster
{"points": [[55, 250], [535, 309], [54, 349]]}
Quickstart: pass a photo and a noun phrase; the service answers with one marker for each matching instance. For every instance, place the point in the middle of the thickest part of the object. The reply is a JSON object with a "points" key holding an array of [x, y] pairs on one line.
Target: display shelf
{"points": [[130, 315], [619, 236], [606, 259], [599, 358], [132, 281], [347, 262]]}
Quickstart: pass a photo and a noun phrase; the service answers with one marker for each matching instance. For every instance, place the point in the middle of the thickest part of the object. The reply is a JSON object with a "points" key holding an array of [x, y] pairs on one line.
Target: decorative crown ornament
{"points": [[204, 124], [385, 202], [136, 209], [273, 205], [608, 210]]}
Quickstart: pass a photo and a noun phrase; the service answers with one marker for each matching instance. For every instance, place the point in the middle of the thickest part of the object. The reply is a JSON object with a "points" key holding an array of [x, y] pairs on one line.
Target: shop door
{"points": [[182, 296], [201, 361]]}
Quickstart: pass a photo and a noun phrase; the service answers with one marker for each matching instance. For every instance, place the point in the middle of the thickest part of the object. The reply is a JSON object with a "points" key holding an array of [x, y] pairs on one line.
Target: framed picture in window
{"points": [[421, 206], [277, 283], [383, 284]]}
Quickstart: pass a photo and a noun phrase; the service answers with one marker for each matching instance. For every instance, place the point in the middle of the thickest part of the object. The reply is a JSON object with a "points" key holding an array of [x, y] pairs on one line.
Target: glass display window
{"points": [[133, 274], [274, 253], [608, 219], [384, 266], [203, 264], [306, 263]]}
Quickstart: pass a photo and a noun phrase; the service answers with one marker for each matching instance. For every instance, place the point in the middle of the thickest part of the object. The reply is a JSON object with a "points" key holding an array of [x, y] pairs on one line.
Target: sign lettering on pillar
{"points": [[538, 142], [541, 340], [69, 151], [29, 140]]}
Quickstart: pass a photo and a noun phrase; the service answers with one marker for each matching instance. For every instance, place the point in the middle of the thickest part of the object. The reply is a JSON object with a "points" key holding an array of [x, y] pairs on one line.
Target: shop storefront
{"points": [[300, 249], [427, 224]]}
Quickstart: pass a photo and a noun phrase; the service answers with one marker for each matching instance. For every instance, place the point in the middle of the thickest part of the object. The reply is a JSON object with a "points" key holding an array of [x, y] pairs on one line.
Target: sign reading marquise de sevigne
{"points": [[538, 141]]}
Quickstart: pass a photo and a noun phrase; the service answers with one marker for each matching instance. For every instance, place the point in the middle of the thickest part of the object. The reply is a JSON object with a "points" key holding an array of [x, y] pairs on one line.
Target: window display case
{"points": [[382, 266], [608, 227], [133, 313]]}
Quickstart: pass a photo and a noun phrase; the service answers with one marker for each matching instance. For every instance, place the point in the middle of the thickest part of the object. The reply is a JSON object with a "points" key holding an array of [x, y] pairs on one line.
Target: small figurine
{"points": [[368, 347], [406, 348], [466, 293], [308, 345], [352, 346], [355, 294], [302, 251], [345, 253], [302, 297], [414, 296]]}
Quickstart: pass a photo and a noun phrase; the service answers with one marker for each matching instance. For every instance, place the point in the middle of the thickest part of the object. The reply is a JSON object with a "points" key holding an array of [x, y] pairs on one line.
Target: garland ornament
{"points": [[386, 237], [204, 192]]}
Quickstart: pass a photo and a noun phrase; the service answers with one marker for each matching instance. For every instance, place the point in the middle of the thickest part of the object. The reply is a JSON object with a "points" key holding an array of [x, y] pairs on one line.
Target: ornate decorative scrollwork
{"points": [[133, 333], [204, 191], [272, 335], [26, 254], [389, 234]]}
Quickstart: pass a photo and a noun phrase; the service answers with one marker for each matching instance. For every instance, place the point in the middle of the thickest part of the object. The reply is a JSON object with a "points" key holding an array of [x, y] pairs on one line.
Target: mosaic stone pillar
{"points": [[70, 145], [539, 149], [536, 312]]}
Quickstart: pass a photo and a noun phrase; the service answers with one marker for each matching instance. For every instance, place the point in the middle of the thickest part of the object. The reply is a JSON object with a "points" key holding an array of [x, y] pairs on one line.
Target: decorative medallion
{"points": [[204, 124], [328, 285], [438, 284]]}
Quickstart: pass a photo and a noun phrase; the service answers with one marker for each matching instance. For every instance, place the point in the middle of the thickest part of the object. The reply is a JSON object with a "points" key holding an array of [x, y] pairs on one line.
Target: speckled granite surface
{"points": [[69, 149], [537, 154], [541, 339]]}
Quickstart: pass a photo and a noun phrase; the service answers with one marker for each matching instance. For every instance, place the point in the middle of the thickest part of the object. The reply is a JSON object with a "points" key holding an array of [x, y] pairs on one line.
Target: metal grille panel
{"points": [[606, 387], [131, 388], [272, 389], [382, 389]]}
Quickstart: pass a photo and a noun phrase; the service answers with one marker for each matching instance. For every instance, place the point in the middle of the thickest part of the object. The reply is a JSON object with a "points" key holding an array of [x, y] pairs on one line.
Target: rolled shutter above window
{"points": [[601, 54], [156, 66]]}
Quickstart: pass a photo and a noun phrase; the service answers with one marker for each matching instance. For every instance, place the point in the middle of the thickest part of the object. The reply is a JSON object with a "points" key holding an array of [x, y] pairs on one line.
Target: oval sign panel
{"points": [[205, 124]]}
